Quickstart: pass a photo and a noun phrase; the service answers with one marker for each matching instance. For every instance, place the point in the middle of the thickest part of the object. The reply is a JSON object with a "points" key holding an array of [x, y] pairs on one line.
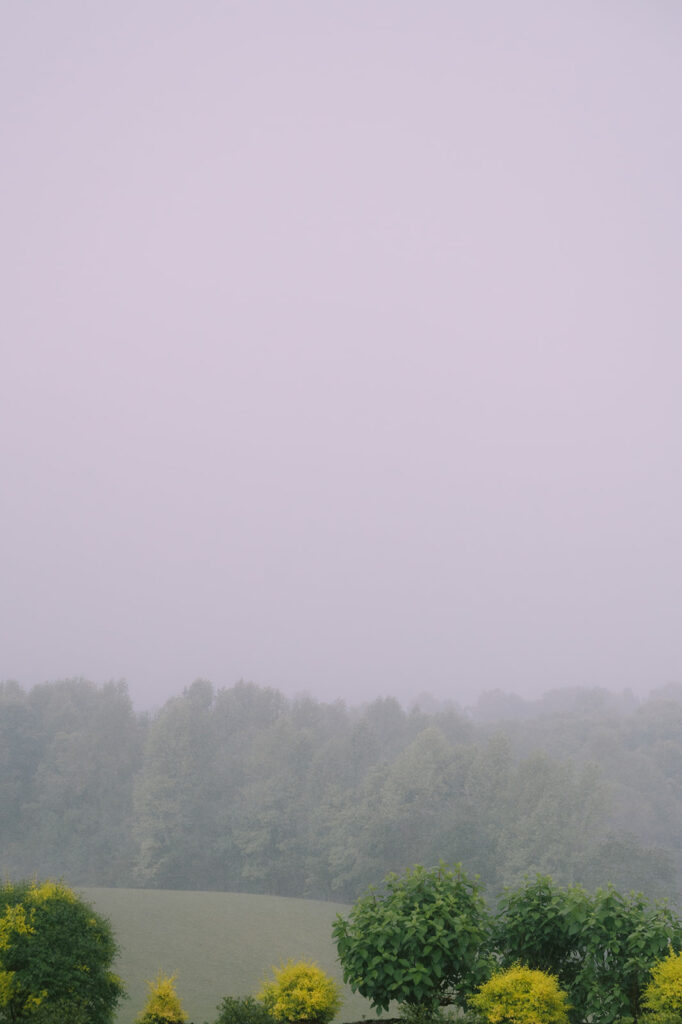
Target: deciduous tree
{"points": [[419, 939], [601, 946], [55, 957]]}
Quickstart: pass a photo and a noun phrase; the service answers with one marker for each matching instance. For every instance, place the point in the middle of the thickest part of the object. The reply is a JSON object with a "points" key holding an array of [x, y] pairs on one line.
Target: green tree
{"points": [[553, 812], [601, 946], [174, 812], [301, 992], [662, 999], [272, 827], [420, 939], [163, 1004], [520, 995], [55, 957], [69, 754], [19, 756]]}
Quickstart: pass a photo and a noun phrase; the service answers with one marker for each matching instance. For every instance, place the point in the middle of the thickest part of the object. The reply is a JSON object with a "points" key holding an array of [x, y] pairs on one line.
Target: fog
{"points": [[340, 346]]}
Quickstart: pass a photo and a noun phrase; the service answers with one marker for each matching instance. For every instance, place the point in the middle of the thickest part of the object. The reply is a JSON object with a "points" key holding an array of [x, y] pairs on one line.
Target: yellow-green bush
{"points": [[163, 1005], [662, 999], [301, 992], [520, 995]]}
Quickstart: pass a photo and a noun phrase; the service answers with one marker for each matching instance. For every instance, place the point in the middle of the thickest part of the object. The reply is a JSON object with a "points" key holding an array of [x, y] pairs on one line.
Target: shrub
{"points": [[421, 939], [243, 1011], [55, 957], [428, 1014], [301, 992], [601, 946], [520, 995], [662, 997], [163, 1005]]}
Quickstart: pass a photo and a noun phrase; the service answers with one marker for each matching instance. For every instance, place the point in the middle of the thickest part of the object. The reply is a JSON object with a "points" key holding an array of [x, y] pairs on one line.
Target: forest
{"points": [[243, 789]]}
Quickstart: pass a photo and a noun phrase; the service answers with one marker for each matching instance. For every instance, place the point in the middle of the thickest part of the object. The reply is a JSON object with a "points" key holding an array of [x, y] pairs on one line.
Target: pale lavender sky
{"points": [[341, 345]]}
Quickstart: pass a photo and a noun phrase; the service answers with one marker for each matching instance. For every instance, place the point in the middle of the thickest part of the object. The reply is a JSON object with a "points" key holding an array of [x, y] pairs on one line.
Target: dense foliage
{"points": [[662, 998], [55, 957], [420, 939], [242, 789], [163, 1004], [601, 946], [520, 995], [424, 939], [301, 992], [246, 1010]]}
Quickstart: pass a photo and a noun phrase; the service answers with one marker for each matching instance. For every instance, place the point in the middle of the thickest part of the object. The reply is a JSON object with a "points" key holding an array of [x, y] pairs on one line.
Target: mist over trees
{"points": [[243, 789]]}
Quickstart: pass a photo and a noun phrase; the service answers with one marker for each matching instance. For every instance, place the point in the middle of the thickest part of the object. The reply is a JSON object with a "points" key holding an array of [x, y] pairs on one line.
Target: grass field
{"points": [[217, 943]]}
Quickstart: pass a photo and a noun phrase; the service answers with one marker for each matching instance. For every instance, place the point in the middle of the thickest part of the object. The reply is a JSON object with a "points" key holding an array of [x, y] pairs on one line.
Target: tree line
{"points": [[243, 789]]}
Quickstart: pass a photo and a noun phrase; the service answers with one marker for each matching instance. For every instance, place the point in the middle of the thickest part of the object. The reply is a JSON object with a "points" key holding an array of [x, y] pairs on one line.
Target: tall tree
{"points": [[87, 747], [172, 809]]}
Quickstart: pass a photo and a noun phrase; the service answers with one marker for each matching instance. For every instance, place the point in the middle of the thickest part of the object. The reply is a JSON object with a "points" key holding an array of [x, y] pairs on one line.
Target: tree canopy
{"points": [[55, 957], [420, 939], [242, 789]]}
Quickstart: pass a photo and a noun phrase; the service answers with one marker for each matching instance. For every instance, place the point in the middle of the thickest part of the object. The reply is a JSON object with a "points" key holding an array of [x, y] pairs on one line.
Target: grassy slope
{"points": [[218, 943]]}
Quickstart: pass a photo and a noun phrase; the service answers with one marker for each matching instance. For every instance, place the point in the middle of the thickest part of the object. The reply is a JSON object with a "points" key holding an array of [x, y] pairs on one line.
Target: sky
{"points": [[340, 345]]}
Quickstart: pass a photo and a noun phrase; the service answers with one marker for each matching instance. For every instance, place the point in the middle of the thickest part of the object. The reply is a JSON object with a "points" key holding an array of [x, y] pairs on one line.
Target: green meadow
{"points": [[218, 944]]}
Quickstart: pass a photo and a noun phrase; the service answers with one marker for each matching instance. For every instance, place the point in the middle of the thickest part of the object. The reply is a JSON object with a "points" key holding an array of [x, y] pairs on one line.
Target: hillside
{"points": [[218, 943]]}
